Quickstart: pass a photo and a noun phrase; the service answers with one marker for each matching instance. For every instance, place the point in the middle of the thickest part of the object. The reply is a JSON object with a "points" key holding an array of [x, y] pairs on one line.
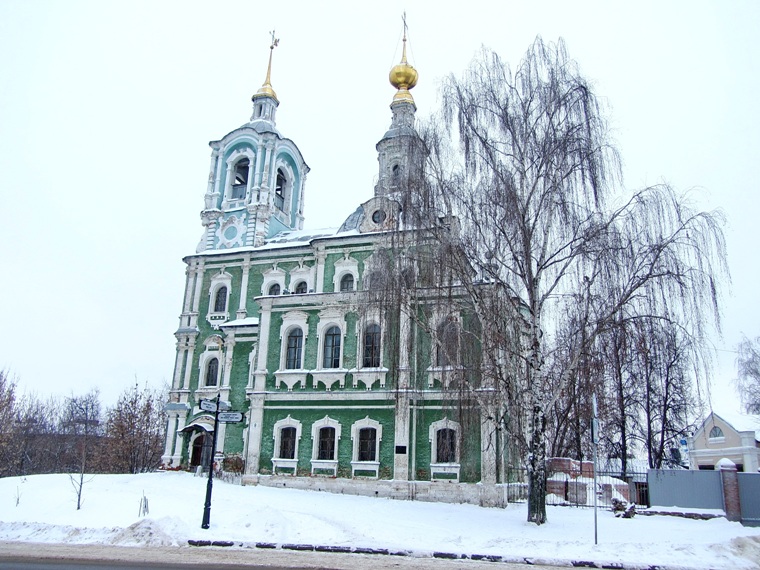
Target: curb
{"points": [[530, 561]]}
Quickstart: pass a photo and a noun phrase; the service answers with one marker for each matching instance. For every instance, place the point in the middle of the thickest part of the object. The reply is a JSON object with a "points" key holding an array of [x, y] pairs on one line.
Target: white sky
{"points": [[106, 109]]}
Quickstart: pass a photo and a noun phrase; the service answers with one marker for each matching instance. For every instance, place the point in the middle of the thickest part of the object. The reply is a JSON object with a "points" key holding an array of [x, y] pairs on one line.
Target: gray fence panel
{"points": [[749, 495], [685, 488]]}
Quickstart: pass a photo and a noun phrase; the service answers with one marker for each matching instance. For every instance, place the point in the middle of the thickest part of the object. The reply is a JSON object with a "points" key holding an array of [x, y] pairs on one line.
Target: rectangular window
{"points": [[288, 443], [367, 444], [326, 443], [446, 446], [295, 344]]}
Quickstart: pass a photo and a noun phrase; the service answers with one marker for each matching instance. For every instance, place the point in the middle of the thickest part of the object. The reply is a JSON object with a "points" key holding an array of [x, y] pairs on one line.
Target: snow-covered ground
{"points": [[42, 508]]}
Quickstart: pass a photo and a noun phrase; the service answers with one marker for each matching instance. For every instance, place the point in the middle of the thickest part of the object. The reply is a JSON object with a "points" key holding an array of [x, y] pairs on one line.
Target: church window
{"points": [[446, 446], [279, 190], [378, 216], [220, 300], [287, 443], [371, 357], [295, 346], [347, 283], [326, 443], [367, 444], [274, 289], [716, 432], [396, 173], [240, 182], [447, 346], [332, 348], [301, 288], [212, 372]]}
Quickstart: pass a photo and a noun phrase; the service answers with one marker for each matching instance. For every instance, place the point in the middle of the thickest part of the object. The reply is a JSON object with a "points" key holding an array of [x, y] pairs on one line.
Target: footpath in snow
{"points": [[42, 508]]}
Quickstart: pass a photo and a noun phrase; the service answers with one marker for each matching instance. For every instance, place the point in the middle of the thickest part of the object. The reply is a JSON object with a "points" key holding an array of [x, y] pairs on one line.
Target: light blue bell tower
{"points": [[256, 179]]}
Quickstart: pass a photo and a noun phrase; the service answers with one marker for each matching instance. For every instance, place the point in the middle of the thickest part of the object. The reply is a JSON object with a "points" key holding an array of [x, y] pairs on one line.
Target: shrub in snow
{"points": [[623, 509]]}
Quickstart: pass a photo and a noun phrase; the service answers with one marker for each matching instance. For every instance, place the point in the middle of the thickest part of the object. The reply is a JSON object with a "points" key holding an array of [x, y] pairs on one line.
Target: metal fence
{"points": [[749, 496], [576, 489], [685, 488]]}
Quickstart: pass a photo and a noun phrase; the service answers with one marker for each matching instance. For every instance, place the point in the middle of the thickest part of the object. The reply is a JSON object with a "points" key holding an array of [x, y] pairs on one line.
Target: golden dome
{"points": [[403, 76]]}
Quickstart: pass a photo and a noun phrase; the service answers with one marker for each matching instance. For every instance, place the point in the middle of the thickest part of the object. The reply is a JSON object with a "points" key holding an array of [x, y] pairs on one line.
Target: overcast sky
{"points": [[106, 109]]}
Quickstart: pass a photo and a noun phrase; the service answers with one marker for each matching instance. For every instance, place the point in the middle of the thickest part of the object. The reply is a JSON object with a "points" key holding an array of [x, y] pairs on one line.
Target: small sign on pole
{"points": [[230, 417], [208, 405]]}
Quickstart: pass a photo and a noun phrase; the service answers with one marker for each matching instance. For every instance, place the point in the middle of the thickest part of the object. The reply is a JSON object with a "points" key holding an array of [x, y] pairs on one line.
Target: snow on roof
{"points": [[247, 322], [740, 421]]}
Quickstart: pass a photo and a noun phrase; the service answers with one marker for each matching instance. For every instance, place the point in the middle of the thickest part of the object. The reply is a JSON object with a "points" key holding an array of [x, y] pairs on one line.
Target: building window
{"points": [[716, 432], [332, 348], [326, 444], [347, 283], [220, 300], [212, 372], [274, 289], [279, 190], [446, 446], [367, 444], [295, 345], [287, 443], [371, 356], [301, 288], [240, 182], [447, 345]]}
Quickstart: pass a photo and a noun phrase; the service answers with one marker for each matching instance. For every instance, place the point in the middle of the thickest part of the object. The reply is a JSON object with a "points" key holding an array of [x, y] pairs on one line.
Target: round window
{"points": [[378, 216]]}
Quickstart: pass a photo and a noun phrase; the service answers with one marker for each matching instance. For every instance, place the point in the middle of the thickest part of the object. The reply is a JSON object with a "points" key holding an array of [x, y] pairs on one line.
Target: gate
{"points": [[749, 496]]}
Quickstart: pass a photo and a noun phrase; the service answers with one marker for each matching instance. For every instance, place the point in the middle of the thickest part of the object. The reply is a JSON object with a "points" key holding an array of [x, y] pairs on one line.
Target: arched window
{"points": [[279, 190], [371, 356], [300, 288], [212, 372], [220, 300], [447, 347], [332, 348], [367, 444], [287, 443], [295, 345], [374, 280], [326, 444], [274, 289], [716, 432], [347, 282], [240, 182], [446, 446]]}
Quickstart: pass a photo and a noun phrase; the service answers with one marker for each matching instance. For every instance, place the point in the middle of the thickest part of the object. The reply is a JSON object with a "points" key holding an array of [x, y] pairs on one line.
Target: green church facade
{"points": [[338, 388]]}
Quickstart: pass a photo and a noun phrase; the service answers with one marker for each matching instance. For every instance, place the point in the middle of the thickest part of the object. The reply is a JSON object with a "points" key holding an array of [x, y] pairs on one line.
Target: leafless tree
{"points": [[135, 431], [748, 380], [82, 422], [544, 249], [7, 412]]}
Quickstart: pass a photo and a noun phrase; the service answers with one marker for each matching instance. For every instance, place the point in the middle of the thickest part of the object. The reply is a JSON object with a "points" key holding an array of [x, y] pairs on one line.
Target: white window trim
{"points": [[272, 276], [221, 279], [357, 465], [343, 267], [292, 376], [444, 468], [278, 462], [302, 273], [287, 193], [324, 464], [214, 349], [236, 156], [369, 375]]}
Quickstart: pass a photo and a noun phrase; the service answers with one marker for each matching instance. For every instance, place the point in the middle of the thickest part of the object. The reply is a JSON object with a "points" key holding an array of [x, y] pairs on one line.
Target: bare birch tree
{"points": [[748, 380], [544, 250]]}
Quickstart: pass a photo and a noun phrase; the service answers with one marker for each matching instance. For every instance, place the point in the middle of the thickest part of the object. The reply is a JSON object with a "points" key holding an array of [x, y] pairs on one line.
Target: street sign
{"points": [[229, 417], [208, 405]]}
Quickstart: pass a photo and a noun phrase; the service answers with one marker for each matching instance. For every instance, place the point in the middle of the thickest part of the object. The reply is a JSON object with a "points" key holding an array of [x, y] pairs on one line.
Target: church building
{"points": [[337, 391]]}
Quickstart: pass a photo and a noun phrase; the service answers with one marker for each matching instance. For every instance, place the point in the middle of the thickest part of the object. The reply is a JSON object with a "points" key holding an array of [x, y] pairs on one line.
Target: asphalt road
{"points": [[39, 556]]}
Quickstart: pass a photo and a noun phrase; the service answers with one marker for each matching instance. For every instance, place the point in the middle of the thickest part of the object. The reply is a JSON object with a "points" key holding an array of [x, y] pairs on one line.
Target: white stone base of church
{"points": [[498, 495]]}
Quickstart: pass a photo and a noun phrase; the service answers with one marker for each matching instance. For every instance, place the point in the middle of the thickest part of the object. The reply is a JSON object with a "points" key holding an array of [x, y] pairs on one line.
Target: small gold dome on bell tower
{"points": [[403, 77]]}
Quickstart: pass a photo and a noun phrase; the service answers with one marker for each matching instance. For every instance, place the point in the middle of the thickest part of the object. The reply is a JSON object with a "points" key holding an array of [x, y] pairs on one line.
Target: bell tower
{"points": [[398, 155], [256, 179]]}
